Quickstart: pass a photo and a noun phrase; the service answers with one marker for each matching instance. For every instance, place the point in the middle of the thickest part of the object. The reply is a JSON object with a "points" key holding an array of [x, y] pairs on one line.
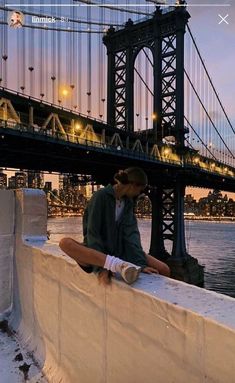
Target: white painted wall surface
{"points": [[6, 248], [158, 330]]}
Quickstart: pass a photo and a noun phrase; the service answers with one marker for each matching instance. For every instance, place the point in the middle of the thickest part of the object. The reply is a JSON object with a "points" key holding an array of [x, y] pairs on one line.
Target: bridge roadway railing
{"points": [[164, 153], [157, 330], [157, 154], [38, 100]]}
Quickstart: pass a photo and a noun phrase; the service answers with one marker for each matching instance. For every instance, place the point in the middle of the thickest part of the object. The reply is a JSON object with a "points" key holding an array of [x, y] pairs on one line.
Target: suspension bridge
{"points": [[106, 87]]}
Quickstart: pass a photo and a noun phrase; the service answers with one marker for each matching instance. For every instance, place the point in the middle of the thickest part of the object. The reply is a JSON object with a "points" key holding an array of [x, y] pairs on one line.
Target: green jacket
{"points": [[101, 232]]}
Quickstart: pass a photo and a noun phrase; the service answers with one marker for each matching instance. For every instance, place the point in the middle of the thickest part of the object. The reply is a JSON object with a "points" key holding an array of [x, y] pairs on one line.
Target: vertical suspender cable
{"points": [[138, 94], [190, 93], [89, 62], [72, 59], [60, 58], [41, 59], [146, 95], [53, 63], [140, 98], [101, 66], [68, 66], [203, 116], [23, 54], [31, 60], [74, 100], [46, 63], [5, 50], [79, 71], [105, 70], [1, 46]]}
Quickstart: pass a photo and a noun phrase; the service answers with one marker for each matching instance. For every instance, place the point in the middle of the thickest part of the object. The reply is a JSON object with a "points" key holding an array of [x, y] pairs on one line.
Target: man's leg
{"points": [[162, 267], [81, 254], [85, 256]]}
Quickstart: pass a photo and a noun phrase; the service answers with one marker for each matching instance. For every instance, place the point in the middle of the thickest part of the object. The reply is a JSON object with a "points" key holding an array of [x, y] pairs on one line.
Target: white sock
{"points": [[113, 263]]}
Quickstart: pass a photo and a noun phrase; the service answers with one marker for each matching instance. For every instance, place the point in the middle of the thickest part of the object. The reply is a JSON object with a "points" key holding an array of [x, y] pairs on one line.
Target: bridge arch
{"points": [[143, 88], [164, 33]]}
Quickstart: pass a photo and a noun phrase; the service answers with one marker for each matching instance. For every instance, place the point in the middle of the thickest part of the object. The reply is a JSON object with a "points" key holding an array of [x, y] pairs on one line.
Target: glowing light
{"points": [[196, 160], [154, 116], [166, 151], [65, 92], [78, 127]]}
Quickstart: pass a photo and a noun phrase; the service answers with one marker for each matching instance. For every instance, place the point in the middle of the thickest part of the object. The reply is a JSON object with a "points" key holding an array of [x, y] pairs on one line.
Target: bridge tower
{"points": [[163, 34]]}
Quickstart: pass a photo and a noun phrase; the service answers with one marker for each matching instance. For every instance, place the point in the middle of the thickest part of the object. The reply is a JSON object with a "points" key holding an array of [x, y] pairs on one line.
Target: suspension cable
{"points": [[209, 78], [199, 99], [202, 142], [113, 8]]}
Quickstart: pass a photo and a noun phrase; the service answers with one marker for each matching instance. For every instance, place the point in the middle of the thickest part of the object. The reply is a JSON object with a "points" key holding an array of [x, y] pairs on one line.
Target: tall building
{"points": [[3, 180], [64, 182], [12, 182], [35, 179], [20, 180], [48, 186], [82, 189]]}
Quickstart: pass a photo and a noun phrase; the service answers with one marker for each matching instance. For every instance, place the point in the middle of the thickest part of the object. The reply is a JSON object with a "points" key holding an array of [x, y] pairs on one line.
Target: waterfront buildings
{"points": [[74, 191]]}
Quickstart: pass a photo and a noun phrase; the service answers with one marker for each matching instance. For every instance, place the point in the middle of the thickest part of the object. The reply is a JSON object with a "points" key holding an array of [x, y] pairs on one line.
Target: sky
{"points": [[216, 42], [217, 47]]}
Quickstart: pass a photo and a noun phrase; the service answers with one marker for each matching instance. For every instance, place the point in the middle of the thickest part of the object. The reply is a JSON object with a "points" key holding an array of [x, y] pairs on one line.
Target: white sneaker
{"points": [[129, 272]]}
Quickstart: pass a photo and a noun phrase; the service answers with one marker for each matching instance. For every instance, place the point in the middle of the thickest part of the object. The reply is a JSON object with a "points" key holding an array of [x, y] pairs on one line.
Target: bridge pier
{"points": [[168, 224], [157, 246]]}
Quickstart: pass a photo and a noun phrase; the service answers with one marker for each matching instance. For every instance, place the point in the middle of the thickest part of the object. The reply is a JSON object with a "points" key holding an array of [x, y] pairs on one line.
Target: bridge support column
{"points": [[183, 266], [157, 247], [168, 224]]}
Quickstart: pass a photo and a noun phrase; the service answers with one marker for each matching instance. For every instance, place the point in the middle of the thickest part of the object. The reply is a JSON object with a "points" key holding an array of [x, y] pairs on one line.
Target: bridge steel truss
{"points": [[163, 34]]}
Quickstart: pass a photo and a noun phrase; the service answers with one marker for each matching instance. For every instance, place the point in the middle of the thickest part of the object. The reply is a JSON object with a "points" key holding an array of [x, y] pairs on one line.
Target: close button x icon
{"points": [[223, 19]]}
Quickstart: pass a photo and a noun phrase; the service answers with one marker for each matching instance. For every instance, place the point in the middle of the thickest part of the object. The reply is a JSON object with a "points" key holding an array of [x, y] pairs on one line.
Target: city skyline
{"points": [[197, 193]]}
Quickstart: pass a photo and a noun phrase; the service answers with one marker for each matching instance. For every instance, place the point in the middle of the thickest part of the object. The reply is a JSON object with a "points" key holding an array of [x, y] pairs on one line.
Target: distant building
{"points": [[215, 205], [190, 204], [82, 189], [3, 180], [35, 179], [20, 180], [64, 182], [48, 186], [88, 191], [12, 182]]}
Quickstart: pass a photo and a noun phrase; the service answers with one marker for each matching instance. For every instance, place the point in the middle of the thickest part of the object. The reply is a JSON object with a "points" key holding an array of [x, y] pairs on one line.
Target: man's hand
{"points": [[150, 270], [104, 277]]}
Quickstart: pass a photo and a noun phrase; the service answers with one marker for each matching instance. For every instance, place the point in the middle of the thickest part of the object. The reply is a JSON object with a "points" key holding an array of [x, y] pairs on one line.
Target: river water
{"points": [[212, 243]]}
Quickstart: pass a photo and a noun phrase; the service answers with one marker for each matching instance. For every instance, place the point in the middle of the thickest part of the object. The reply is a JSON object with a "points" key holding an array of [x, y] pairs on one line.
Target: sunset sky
{"points": [[217, 46]]}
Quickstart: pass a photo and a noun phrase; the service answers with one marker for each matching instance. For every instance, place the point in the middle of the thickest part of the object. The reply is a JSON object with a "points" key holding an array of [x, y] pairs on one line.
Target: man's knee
{"points": [[65, 243]]}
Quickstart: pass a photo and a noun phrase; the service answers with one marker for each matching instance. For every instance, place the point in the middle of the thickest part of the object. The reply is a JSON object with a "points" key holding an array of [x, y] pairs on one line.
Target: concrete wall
{"points": [[7, 210], [158, 330]]}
